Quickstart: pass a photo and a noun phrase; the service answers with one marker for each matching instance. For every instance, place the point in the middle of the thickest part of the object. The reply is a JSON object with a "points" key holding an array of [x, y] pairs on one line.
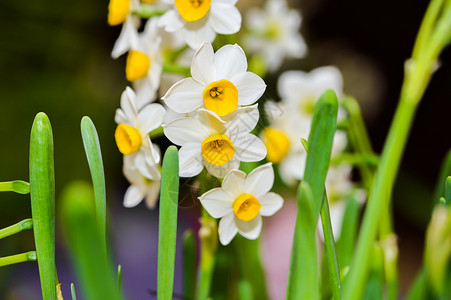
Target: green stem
{"points": [[18, 186], [209, 244], [147, 12], [331, 252], [156, 133], [378, 200], [176, 69], [23, 225], [119, 279], [18, 258]]}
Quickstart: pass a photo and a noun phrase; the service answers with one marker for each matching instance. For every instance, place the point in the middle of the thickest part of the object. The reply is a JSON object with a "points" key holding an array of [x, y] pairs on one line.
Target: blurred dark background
{"points": [[55, 58]]}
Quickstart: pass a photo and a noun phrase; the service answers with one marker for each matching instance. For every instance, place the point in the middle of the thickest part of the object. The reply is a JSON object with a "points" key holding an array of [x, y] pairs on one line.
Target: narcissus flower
{"points": [[132, 132], [217, 143], [144, 64], [200, 20], [220, 82], [274, 32], [141, 187], [241, 202], [120, 12]]}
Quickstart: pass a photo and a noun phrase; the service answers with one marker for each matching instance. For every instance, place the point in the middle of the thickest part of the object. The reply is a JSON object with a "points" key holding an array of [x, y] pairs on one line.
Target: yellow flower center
{"points": [[246, 207], [221, 97], [137, 66], [128, 139], [193, 10], [277, 144], [217, 149], [118, 11]]}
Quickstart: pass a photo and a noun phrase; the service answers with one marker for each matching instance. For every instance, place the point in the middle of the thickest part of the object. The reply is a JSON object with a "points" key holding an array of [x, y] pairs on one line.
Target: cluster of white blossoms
{"points": [[210, 115]]}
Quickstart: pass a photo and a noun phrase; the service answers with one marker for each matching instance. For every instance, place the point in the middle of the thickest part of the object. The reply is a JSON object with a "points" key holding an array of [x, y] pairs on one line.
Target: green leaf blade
{"points": [[96, 276], [303, 277], [167, 227], [94, 156], [42, 192]]}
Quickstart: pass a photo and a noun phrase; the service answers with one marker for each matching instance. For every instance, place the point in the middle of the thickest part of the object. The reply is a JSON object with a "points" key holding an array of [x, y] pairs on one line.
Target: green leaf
{"points": [[320, 145], [303, 277], [119, 279], [331, 252], [189, 263], [448, 190], [94, 155], [96, 276], [167, 227], [42, 192], [418, 289], [72, 292]]}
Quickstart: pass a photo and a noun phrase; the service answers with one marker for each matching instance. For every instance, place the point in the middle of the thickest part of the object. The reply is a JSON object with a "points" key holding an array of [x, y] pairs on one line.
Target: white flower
{"points": [[301, 90], [283, 140], [132, 132], [220, 82], [145, 64], [141, 187], [217, 143], [274, 31], [120, 12], [241, 202], [200, 20]]}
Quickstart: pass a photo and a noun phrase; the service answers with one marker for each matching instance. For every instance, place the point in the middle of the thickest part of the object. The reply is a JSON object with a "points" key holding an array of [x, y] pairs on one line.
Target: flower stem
{"points": [[418, 73], [147, 12], [23, 225], [176, 69], [18, 258], [331, 251], [18, 186]]}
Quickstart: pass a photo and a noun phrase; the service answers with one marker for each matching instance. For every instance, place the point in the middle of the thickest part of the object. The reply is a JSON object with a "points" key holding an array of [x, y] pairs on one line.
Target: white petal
{"points": [[217, 202], [221, 171], [229, 61], [248, 147], [128, 107], [229, 2], [190, 160], [259, 181], [202, 68], [242, 120], [250, 229], [227, 229], [145, 92], [146, 165], [128, 39], [153, 190], [233, 183], [171, 21], [196, 33], [185, 96], [271, 203], [185, 130], [225, 18], [292, 168], [150, 117], [133, 196], [289, 81], [250, 87], [324, 78]]}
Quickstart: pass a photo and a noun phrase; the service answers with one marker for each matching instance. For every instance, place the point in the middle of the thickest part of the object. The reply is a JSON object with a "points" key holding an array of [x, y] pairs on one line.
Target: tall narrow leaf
{"points": [[189, 263], [167, 227], [320, 145], [97, 278], [303, 277], [445, 171], [42, 192], [94, 156]]}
